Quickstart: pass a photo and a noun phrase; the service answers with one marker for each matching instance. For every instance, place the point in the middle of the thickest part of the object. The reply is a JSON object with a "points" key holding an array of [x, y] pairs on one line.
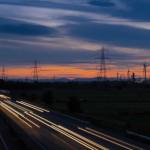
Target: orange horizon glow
{"points": [[51, 71]]}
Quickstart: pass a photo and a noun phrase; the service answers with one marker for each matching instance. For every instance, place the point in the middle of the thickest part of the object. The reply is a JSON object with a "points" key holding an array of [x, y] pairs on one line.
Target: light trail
{"points": [[16, 115], [4, 96], [22, 103], [36, 106], [60, 131], [113, 138], [18, 106], [83, 138], [71, 132], [106, 139], [19, 114], [76, 139], [43, 119], [86, 142]]}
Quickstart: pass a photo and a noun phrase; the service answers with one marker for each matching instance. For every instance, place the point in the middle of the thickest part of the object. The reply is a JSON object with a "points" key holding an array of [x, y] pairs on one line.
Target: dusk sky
{"points": [[65, 36]]}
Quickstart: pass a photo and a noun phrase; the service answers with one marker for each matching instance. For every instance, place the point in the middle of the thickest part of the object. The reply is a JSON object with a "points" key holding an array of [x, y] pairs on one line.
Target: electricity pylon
{"points": [[102, 65], [35, 71], [3, 73]]}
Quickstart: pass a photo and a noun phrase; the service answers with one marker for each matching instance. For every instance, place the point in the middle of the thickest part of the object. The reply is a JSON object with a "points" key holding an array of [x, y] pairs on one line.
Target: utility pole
{"points": [[145, 71], [35, 71], [102, 65], [3, 73]]}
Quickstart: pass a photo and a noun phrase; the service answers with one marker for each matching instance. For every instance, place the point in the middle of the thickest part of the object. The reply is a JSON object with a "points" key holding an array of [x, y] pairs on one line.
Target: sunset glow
{"points": [[70, 71], [65, 38]]}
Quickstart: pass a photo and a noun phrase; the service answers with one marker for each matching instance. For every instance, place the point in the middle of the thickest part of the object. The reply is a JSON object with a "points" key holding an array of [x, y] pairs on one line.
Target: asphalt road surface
{"points": [[50, 130]]}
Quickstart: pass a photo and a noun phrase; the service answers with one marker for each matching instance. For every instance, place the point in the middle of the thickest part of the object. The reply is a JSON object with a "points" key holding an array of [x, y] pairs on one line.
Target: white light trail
{"points": [[16, 115], [78, 138], [36, 106], [20, 114], [83, 138], [4, 96], [113, 138], [106, 139], [27, 105], [18, 106], [44, 119]]}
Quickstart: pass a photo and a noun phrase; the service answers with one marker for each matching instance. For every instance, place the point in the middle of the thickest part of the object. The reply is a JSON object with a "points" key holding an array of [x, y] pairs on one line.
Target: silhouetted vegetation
{"points": [[74, 105], [48, 97]]}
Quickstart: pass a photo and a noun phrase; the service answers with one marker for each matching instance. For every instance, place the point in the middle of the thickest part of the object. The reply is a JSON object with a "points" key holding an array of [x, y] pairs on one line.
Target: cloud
{"points": [[9, 26], [57, 15], [71, 33], [110, 34]]}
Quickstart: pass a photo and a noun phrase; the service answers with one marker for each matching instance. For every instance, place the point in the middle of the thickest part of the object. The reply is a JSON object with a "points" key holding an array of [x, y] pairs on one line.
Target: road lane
{"points": [[42, 138], [113, 140], [49, 129], [9, 106]]}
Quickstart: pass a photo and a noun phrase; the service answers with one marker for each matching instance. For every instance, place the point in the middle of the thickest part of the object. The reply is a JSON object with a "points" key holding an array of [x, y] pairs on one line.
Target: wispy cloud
{"points": [[70, 33]]}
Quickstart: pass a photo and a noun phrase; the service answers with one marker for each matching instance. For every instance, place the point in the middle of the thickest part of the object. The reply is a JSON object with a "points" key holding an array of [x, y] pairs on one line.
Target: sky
{"points": [[65, 36]]}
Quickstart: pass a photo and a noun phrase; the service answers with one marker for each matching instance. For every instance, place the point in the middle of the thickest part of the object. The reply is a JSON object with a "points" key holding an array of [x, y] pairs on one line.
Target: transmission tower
{"points": [[35, 71], [102, 65], [128, 74], [117, 76], [145, 71], [133, 77], [3, 73]]}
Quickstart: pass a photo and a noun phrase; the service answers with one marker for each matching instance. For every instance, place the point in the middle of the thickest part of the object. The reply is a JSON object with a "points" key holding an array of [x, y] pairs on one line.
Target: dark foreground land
{"points": [[120, 106]]}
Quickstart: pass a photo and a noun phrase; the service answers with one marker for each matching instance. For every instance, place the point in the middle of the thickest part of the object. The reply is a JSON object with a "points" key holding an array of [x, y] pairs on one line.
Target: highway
{"points": [[52, 130]]}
